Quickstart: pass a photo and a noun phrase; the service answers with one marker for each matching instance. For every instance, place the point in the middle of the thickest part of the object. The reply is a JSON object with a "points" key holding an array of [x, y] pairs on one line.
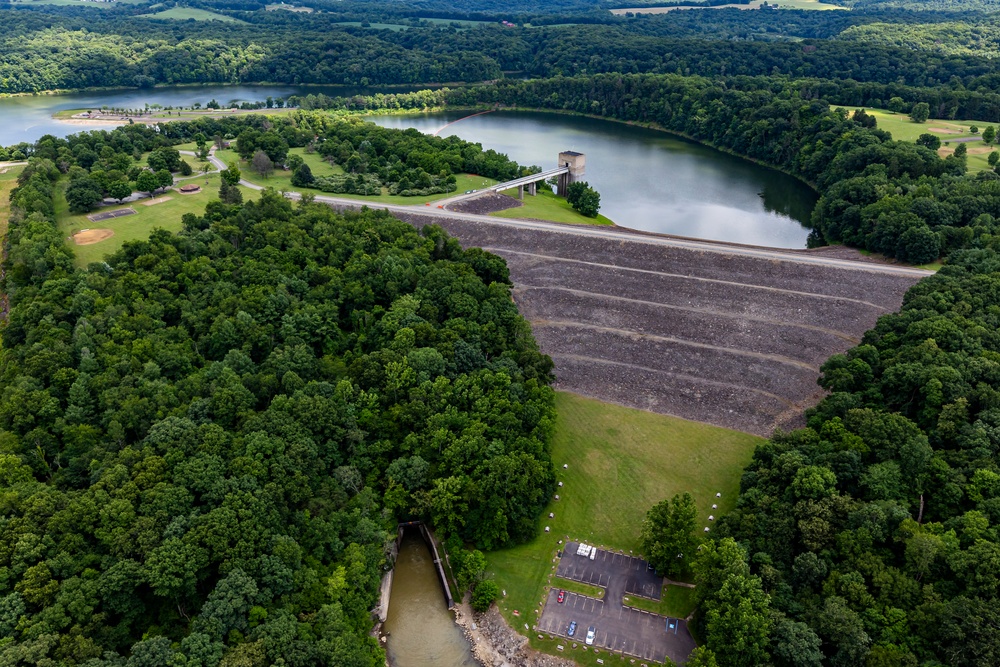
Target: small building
{"points": [[191, 188]]}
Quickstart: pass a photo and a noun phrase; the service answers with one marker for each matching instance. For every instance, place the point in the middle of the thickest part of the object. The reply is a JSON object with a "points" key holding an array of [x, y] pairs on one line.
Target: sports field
{"points": [[620, 463], [165, 214]]}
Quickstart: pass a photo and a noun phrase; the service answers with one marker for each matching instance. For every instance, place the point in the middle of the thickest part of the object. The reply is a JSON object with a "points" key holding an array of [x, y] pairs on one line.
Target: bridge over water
{"points": [[571, 166]]}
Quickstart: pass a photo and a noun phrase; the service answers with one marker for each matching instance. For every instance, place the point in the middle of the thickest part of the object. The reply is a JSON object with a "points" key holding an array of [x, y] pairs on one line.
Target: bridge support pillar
{"points": [[533, 189], [520, 192]]}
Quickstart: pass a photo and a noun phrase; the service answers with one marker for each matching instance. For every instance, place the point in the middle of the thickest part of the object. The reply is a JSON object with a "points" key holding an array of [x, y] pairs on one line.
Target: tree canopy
{"points": [[206, 441]]}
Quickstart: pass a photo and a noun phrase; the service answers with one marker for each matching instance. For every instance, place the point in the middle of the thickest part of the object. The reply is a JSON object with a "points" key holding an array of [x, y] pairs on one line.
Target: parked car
{"points": [[590, 635], [572, 628], [562, 597]]}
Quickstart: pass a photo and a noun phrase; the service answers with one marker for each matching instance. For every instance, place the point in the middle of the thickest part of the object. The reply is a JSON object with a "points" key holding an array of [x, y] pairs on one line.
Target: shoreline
{"points": [[227, 84], [494, 642]]}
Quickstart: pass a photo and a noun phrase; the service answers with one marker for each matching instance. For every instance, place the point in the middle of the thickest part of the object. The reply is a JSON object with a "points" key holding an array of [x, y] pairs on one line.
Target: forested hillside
{"points": [[70, 48], [207, 440], [873, 531]]}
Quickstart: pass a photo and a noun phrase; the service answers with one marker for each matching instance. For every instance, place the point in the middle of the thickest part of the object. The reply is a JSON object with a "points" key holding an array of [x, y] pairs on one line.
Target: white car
{"points": [[590, 635]]}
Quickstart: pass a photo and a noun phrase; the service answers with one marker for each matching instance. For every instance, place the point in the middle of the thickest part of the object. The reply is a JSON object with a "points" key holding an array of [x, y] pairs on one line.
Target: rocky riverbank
{"points": [[496, 644]]}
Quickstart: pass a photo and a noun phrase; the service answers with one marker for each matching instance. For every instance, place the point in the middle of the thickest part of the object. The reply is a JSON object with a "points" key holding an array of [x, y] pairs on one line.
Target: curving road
{"points": [[612, 233]]}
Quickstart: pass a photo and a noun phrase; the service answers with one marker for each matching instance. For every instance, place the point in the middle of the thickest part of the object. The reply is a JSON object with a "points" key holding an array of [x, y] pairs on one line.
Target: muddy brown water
{"points": [[422, 632]]}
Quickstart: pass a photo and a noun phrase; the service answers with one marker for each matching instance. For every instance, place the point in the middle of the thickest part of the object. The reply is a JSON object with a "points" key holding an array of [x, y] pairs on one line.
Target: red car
{"points": [[562, 597]]}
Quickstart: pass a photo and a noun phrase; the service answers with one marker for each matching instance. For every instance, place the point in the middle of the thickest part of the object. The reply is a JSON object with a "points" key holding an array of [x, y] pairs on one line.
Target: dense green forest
{"points": [[209, 438], [43, 48], [104, 164], [873, 532], [892, 197]]}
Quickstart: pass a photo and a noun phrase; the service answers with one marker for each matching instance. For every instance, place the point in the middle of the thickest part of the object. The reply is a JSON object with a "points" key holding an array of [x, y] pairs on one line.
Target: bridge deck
{"points": [[525, 180]]}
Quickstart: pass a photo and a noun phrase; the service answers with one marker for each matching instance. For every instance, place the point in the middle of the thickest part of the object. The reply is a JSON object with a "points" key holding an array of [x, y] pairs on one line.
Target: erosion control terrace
{"points": [[713, 333]]}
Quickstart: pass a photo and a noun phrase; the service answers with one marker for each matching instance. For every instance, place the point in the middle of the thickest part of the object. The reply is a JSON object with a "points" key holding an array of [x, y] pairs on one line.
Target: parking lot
{"points": [[618, 628]]}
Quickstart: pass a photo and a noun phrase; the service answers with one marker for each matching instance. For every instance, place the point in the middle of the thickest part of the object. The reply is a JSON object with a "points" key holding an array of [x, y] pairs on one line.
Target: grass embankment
{"points": [[8, 181], [579, 588], [902, 128], [621, 462], [548, 206], [166, 215], [282, 180], [185, 13]]}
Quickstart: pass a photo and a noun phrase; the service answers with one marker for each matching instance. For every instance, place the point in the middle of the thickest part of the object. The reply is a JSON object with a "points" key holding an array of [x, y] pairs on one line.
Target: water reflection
{"points": [[648, 180]]}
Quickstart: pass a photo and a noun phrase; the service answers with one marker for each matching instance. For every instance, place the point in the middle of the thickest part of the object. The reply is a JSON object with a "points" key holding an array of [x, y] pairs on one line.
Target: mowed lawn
{"points": [[902, 128], [620, 463], [282, 180], [8, 181], [166, 215], [547, 205]]}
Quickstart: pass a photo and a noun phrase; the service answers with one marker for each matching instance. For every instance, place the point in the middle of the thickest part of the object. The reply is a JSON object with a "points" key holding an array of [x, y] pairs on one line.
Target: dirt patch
{"points": [[110, 215], [158, 200], [486, 203], [92, 236], [943, 130]]}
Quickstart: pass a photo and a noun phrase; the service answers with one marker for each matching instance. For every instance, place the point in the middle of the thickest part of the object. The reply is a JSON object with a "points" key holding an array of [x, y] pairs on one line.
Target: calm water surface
{"points": [[28, 118], [422, 632], [648, 180]]}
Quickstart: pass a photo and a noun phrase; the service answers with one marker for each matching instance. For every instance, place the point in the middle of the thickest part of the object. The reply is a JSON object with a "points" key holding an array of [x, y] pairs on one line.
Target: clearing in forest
{"points": [[620, 463], [185, 13]]}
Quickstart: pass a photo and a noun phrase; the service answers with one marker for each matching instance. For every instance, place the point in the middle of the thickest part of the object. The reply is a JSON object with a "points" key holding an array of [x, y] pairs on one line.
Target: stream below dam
{"points": [[422, 631]]}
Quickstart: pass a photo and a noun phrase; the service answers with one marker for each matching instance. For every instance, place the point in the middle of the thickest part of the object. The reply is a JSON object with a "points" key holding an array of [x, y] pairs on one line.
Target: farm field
{"points": [[813, 5], [185, 13], [621, 462], [166, 215]]}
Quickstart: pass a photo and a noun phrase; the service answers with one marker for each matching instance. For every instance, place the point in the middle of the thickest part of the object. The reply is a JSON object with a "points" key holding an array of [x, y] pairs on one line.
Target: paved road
{"points": [[611, 233]]}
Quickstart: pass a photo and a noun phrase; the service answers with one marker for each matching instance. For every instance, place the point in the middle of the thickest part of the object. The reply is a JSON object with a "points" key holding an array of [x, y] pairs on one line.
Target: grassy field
{"points": [[185, 13], [678, 601], [621, 462], [75, 3], [282, 180], [8, 181], [814, 5], [548, 206], [902, 128], [289, 8], [580, 588], [166, 215]]}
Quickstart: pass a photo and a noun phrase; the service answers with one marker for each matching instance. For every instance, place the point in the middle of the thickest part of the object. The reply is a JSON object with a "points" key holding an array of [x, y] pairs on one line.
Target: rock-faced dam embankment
{"points": [[715, 336]]}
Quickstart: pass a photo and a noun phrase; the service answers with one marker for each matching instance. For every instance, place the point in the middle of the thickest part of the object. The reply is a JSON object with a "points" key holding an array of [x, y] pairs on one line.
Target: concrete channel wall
{"points": [[382, 611]]}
